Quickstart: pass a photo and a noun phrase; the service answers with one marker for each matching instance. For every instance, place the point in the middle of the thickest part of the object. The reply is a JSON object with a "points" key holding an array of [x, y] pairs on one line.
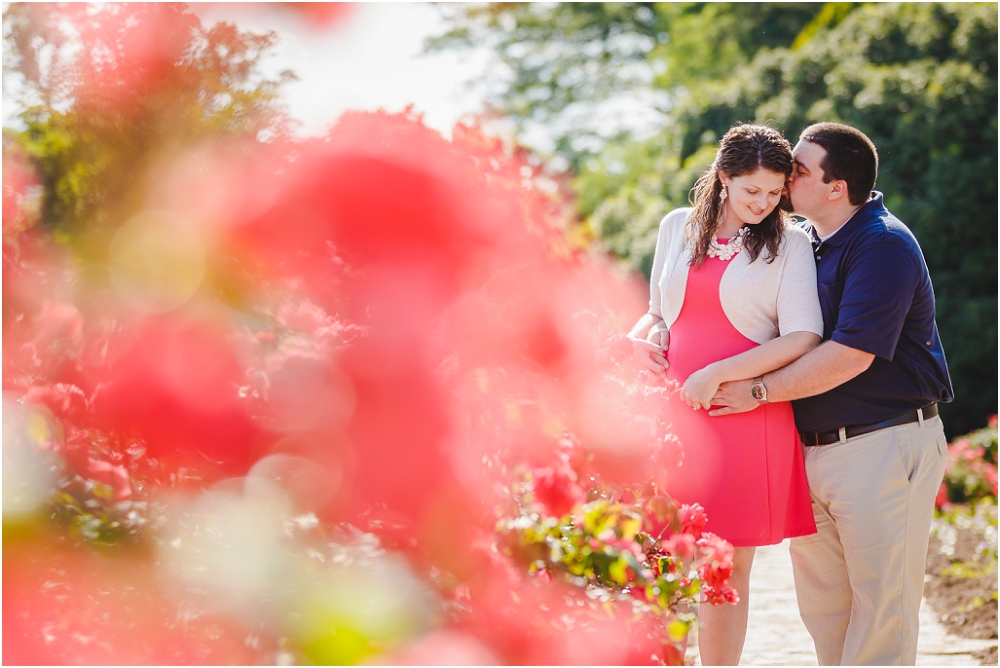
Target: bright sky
{"points": [[370, 58]]}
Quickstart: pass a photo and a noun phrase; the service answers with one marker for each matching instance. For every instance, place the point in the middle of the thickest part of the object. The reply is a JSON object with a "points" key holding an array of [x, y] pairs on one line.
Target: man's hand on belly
{"points": [[733, 397], [821, 369]]}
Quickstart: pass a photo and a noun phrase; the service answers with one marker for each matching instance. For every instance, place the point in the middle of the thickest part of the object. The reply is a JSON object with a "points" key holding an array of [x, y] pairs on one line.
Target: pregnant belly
{"points": [[694, 346]]}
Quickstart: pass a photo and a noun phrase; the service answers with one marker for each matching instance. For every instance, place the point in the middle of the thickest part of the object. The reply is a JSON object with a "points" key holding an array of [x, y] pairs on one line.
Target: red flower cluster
{"points": [[716, 570], [387, 283], [547, 624], [376, 324], [556, 489], [969, 475], [693, 519]]}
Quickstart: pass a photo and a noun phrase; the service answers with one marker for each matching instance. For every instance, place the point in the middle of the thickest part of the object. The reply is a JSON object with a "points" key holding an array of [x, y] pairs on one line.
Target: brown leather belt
{"points": [[827, 437]]}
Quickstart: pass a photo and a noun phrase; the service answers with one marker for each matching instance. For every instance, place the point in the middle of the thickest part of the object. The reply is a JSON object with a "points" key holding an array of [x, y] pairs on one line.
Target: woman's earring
{"points": [[723, 195]]}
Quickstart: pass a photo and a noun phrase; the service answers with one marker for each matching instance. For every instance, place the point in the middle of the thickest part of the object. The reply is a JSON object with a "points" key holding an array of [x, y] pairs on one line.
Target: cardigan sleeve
{"points": [[798, 299], [671, 226], [659, 256]]}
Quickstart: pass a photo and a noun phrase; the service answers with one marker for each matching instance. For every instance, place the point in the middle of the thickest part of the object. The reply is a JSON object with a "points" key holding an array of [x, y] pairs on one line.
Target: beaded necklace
{"points": [[730, 248]]}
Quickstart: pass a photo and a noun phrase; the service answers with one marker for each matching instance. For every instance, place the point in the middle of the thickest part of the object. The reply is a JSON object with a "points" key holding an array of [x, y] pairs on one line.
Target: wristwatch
{"points": [[758, 391]]}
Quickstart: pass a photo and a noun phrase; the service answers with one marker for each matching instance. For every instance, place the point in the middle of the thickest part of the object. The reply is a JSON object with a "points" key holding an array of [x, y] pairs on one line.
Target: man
{"points": [[865, 405]]}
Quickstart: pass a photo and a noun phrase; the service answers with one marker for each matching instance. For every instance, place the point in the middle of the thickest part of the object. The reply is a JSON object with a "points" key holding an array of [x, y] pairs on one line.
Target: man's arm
{"points": [[701, 386], [821, 369]]}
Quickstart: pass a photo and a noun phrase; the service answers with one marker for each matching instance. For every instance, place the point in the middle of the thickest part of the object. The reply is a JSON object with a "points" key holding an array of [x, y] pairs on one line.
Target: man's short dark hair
{"points": [[850, 157]]}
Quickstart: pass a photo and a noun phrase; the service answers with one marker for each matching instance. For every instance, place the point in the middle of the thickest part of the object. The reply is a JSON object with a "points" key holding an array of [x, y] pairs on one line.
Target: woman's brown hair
{"points": [[743, 150]]}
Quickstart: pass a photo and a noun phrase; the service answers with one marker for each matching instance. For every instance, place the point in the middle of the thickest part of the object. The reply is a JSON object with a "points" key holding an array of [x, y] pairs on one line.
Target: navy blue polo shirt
{"points": [[876, 296]]}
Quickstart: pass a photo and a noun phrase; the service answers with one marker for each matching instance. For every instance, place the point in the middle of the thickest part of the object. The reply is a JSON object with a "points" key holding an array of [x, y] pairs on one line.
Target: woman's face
{"points": [[752, 196]]}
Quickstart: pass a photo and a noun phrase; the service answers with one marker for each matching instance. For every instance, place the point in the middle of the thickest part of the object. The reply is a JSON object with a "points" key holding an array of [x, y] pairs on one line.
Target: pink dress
{"points": [[746, 469]]}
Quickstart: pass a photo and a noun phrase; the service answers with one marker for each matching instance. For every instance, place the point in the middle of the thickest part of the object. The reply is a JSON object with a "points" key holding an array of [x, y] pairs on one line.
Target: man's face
{"points": [[809, 195]]}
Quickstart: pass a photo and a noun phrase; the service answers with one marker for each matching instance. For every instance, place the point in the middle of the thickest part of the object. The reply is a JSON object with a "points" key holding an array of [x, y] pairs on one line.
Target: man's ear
{"points": [[838, 189]]}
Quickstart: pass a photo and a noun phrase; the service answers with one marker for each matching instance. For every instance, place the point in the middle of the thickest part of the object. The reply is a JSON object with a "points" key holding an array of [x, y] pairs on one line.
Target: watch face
{"points": [[758, 392]]}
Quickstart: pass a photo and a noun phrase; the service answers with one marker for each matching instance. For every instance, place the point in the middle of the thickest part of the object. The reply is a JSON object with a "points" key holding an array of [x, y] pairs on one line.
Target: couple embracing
{"points": [[810, 368]]}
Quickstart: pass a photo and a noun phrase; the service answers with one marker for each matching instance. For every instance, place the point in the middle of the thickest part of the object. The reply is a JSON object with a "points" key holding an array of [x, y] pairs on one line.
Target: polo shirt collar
{"points": [[860, 217]]}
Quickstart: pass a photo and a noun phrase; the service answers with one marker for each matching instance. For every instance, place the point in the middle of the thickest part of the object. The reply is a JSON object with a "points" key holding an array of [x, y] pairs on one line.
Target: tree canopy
{"points": [[919, 79], [565, 60], [106, 89]]}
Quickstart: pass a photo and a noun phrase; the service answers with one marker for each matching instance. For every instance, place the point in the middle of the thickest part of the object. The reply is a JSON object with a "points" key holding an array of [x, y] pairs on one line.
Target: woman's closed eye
{"points": [[774, 193]]}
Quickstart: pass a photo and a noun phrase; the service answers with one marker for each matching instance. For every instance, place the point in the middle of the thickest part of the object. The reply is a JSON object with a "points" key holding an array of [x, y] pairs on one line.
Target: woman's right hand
{"points": [[649, 353], [649, 339], [649, 356], [659, 335]]}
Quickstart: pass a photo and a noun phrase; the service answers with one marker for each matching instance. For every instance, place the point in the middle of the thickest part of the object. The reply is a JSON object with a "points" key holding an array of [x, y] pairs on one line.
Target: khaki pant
{"points": [[860, 579]]}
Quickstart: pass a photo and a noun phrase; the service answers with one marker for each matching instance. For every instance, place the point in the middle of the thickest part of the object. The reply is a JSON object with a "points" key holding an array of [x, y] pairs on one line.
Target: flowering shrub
{"points": [[979, 519], [967, 503], [971, 468], [628, 550], [263, 398], [616, 547], [357, 398], [986, 439]]}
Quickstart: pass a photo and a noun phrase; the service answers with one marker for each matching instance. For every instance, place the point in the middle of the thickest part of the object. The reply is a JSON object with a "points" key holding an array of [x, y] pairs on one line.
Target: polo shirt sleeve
{"points": [[876, 294], [797, 302]]}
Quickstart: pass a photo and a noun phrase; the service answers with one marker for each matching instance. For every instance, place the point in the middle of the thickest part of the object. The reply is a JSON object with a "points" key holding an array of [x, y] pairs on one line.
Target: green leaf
{"points": [[619, 571]]}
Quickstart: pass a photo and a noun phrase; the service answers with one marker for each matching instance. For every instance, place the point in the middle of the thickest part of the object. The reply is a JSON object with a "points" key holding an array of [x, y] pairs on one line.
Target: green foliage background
{"points": [[919, 79]]}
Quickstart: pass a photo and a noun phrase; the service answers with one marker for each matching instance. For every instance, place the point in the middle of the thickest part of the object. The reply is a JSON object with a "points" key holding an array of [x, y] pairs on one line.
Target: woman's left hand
{"points": [[699, 388]]}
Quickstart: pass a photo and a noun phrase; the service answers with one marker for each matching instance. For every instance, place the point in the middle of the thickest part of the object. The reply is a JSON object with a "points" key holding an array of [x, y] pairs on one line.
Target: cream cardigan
{"points": [[763, 301]]}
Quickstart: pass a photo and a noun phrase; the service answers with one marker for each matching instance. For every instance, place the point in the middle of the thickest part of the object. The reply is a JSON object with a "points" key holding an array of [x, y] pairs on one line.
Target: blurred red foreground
{"points": [[266, 410]]}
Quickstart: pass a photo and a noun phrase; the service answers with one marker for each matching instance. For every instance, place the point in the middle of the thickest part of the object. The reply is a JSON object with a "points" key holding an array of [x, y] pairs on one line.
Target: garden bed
{"points": [[962, 565]]}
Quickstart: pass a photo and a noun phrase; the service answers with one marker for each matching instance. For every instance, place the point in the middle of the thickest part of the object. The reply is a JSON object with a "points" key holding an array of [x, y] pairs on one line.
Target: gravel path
{"points": [[777, 637]]}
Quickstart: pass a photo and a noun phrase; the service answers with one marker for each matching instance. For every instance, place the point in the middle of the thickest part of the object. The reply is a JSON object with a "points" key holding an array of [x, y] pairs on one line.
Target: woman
{"points": [[733, 293]]}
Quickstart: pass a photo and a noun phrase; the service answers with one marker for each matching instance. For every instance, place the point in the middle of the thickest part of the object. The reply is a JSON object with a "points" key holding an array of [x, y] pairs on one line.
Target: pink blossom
{"points": [[66, 401], [941, 500], [716, 569], [113, 476], [661, 513], [693, 519], [721, 594], [681, 545], [990, 474], [556, 489]]}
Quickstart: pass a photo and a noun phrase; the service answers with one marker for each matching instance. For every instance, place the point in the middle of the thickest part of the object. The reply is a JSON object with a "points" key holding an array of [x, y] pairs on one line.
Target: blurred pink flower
{"points": [[681, 545], [660, 512], [66, 401], [556, 489], [693, 519], [941, 500], [716, 569], [320, 15], [175, 385], [67, 606], [442, 648]]}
